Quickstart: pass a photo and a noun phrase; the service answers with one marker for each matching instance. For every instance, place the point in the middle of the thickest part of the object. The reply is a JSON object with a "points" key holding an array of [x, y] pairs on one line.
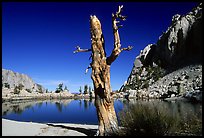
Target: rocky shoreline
{"points": [[182, 84], [8, 95]]}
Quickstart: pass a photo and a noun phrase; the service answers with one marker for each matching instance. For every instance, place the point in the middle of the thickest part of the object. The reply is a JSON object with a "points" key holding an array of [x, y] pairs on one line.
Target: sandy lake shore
{"points": [[17, 128]]}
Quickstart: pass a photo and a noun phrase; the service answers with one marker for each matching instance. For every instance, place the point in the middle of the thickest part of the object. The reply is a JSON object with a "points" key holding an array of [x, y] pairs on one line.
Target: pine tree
{"points": [[86, 89], [80, 90], [90, 92], [65, 88], [59, 89]]}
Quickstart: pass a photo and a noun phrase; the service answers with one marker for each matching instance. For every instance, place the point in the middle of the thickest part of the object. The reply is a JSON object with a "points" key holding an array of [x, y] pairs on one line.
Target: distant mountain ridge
{"points": [[13, 79]]}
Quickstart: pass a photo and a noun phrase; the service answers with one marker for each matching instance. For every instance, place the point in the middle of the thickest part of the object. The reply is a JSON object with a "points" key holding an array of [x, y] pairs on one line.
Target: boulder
{"points": [[132, 93]]}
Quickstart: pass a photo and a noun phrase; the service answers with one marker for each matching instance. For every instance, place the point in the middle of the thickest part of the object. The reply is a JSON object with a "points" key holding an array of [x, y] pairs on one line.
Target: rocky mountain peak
{"points": [[179, 46], [183, 35], [13, 79]]}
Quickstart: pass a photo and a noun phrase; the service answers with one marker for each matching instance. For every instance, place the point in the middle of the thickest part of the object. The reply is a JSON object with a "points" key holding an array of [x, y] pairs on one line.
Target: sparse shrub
{"points": [[143, 120], [21, 86], [189, 125], [17, 90], [127, 87], [6, 85], [40, 90], [57, 91], [145, 84], [158, 73], [28, 90], [146, 120]]}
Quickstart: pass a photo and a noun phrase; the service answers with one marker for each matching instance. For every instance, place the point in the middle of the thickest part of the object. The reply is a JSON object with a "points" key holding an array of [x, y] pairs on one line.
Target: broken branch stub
{"points": [[78, 49]]}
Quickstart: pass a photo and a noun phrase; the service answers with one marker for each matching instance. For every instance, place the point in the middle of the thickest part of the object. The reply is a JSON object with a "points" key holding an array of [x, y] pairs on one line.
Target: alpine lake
{"points": [[81, 111]]}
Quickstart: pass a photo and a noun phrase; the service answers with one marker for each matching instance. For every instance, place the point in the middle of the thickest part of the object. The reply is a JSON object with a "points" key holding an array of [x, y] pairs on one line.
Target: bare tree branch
{"points": [[117, 46], [127, 48], [118, 14], [78, 49]]}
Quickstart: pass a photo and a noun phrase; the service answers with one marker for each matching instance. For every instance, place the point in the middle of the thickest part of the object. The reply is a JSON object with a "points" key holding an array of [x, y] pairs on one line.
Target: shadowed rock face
{"points": [[179, 46], [14, 79], [182, 42]]}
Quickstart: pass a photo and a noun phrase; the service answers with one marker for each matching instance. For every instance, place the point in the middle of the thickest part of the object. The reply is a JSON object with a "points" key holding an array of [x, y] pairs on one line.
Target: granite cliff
{"points": [[12, 79], [17, 86], [172, 67]]}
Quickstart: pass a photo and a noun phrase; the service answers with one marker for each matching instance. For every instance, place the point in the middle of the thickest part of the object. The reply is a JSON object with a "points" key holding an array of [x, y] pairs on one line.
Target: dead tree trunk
{"points": [[101, 73]]}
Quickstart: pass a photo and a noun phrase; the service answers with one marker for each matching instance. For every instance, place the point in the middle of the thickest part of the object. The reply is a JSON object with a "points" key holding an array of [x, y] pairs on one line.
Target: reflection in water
{"points": [[80, 103], [17, 110], [39, 104], [82, 110], [16, 106], [177, 108], [90, 101], [59, 106], [85, 104]]}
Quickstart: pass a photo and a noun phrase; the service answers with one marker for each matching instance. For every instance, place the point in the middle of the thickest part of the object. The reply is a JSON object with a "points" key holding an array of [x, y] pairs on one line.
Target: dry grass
{"points": [[146, 120]]}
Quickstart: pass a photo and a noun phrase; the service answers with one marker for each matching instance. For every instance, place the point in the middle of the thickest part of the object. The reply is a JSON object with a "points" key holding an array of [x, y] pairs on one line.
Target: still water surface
{"points": [[80, 111]]}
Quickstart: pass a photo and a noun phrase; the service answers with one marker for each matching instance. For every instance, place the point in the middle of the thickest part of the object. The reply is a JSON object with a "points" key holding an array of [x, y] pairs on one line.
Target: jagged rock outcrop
{"points": [[13, 79], [180, 47], [185, 82], [182, 42], [145, 71]]}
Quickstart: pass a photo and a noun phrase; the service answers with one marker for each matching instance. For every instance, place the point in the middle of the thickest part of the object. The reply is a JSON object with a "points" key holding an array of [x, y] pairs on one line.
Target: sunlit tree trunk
{"points": [[100, 65]]}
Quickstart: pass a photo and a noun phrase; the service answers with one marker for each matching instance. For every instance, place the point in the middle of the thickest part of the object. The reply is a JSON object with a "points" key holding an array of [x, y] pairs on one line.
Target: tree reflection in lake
{"points": [[59, 106], [81, 110], [80, 103], [17, 106], [85, 104], [90, 101], [17, 110], [39, 104]]}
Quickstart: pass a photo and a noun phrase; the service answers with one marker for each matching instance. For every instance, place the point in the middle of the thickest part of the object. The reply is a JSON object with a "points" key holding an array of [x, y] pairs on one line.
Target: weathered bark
{"points": [[100, 65], [101, 80]]}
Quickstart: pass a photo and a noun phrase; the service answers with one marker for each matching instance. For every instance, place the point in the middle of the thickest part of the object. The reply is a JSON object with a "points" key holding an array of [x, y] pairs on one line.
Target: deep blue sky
{"points": [[38, 38]]}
